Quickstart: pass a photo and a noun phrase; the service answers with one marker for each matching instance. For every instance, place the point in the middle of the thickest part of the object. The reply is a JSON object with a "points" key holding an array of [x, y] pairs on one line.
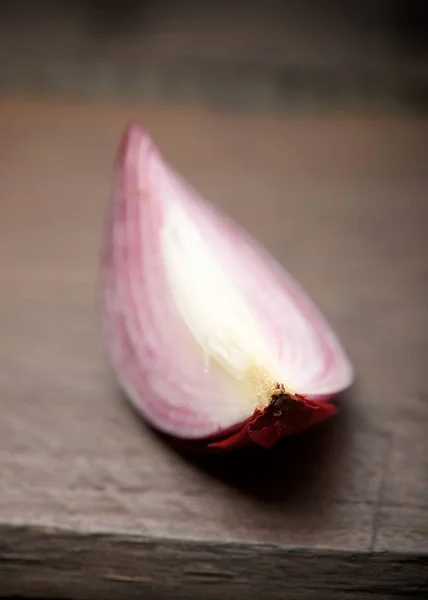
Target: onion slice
{"points": [[210, 338]]}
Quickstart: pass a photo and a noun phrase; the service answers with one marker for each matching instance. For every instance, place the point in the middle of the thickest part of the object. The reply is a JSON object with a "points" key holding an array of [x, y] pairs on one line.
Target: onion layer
{"points": [[209, 336]]}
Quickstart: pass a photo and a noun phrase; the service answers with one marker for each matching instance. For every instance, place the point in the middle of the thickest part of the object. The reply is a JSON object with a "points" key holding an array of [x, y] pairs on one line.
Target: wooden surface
{"points": [[93, 504]]}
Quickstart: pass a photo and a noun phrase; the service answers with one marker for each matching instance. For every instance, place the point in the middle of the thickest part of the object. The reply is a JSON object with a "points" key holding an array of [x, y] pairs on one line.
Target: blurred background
{"points": [[257, 54]]}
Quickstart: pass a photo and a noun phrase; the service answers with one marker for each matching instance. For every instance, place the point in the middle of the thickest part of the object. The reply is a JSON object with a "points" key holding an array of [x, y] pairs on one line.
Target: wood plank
{"points": [[90, 491], [132, 567]]}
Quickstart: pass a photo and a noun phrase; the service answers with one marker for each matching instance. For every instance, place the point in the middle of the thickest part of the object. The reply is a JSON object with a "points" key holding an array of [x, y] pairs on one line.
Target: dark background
{"points": [[369, 54]]}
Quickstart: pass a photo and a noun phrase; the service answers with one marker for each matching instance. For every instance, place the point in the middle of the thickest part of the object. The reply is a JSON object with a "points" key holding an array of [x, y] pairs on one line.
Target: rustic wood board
{"points": [[93, 504]]}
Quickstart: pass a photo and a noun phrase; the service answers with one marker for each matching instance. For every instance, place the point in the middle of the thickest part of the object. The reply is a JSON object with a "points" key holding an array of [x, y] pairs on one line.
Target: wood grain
{"points": [[93, 503]]}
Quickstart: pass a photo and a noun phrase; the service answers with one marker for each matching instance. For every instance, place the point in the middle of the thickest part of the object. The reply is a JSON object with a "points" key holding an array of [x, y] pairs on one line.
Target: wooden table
{"points": [[93, 504]]}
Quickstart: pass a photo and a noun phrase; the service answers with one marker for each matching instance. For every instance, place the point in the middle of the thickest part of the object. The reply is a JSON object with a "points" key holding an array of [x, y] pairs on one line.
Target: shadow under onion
{"points": [[299, 468]]}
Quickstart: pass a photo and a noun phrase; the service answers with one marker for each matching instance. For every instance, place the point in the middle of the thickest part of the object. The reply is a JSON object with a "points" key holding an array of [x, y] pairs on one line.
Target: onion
{"points": [[210, 338]]}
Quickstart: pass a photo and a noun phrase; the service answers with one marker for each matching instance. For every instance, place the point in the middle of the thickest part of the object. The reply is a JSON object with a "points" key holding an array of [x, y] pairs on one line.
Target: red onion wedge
{"points": [[208, 335]]}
